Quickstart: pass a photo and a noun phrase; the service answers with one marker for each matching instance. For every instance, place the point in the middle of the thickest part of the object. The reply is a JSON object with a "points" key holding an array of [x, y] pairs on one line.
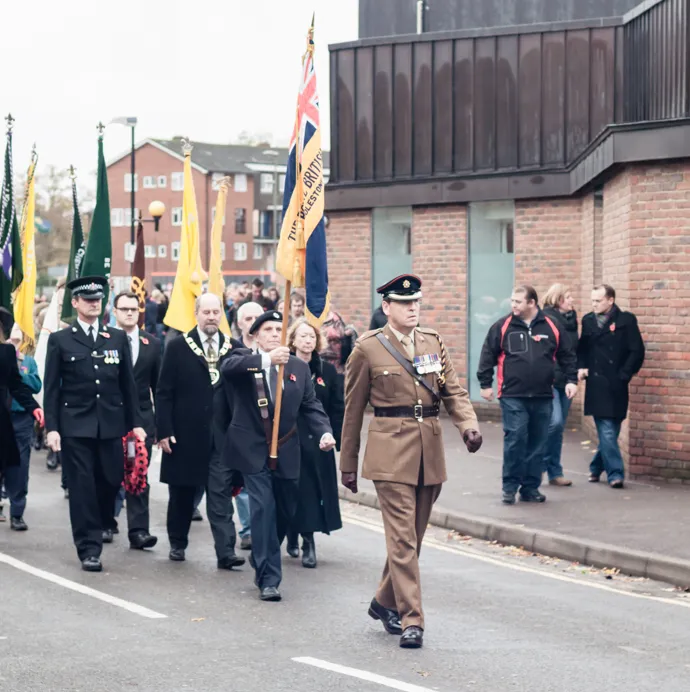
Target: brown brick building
{"points": [[481, 159], [249, 238]]}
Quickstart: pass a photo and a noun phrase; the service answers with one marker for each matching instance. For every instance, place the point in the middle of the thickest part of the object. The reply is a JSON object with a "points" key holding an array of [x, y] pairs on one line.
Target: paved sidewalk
{"points": [[641, 530]]}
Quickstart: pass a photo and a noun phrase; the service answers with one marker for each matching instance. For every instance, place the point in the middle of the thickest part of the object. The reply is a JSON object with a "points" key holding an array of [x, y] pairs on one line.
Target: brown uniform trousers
{"points": [[404, 456]]}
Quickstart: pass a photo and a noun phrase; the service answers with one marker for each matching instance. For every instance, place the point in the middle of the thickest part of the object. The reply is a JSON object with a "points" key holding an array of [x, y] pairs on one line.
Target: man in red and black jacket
{"points": [[524, 348]]}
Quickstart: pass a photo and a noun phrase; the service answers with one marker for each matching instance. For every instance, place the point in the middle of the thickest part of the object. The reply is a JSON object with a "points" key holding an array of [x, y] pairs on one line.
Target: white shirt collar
{"points": [[204, 339], [85, 326], [134, 334]]}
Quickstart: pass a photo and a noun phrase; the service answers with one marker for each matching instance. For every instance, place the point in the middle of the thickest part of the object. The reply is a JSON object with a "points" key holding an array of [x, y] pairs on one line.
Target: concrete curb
{"points": [[632, 562]]}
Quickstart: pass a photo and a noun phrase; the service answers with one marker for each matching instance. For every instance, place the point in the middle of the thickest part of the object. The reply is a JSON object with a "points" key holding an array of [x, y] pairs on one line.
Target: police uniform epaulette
{"points": [[368, 335]]}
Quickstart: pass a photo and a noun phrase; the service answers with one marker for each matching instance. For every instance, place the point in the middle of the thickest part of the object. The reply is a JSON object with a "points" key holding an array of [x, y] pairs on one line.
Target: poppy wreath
{"points": [[136, 469]]}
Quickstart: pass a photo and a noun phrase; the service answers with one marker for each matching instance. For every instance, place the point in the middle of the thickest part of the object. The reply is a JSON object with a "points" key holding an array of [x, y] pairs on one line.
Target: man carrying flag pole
{"points": [[77, 249], [216, 284]]}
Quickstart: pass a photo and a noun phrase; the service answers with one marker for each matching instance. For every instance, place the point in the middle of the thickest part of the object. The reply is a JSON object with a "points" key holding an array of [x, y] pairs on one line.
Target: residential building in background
{"points": [[485, 158], [253, 214]]}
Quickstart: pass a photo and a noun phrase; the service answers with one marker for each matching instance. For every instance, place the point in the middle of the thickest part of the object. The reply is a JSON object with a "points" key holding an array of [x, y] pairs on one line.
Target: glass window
{"points": [[129, 252], [117, 218], [177, 182], [258, 252], [162, 181], [491, 275], [266, 183], [177, 216], [240, 251], [149, 182], [391, 246], [222, 251], [175, 251], [149, 251], [162, 251], [240, 221], [215, 181], [240, 182], [128, 182]]}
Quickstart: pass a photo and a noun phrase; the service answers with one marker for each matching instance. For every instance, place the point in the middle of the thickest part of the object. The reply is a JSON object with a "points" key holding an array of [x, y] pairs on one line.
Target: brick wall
{"points": [[349, 265], [439, 256]]}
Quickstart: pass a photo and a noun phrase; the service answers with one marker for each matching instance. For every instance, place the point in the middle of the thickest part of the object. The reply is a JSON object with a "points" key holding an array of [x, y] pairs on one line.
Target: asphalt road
{"points": [[497, 619]]}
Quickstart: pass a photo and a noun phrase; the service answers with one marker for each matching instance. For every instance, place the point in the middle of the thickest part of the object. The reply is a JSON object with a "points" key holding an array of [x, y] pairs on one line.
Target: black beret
{"points": [[268, 316], [6, 322], [404, 287], [88, 287]]}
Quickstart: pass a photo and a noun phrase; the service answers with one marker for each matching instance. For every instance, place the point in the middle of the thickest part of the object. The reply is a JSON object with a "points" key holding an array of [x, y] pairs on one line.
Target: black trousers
{"points": [[272, 505], [219, 506], [180, 510], [91, 468], [138, 505]]}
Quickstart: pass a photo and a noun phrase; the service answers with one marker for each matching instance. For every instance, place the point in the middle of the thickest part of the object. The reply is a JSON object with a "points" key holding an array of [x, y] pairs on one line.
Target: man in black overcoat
{"points": [[251, 381], [610, 353], [146, 358], [185, 420], [91, 403]]}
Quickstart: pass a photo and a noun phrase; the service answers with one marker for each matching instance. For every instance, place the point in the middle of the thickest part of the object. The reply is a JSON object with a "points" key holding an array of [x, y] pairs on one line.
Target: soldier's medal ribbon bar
{"points": [[429, 362]]}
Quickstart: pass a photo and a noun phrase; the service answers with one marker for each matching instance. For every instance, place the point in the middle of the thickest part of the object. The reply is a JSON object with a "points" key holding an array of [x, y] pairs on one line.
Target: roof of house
{"points": [[222, 158]]}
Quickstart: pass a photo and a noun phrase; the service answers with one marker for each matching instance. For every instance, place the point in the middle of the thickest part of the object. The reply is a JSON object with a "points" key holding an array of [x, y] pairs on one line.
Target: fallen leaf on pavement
{"points": [[423, 673], [198, 619], [586, 442]]}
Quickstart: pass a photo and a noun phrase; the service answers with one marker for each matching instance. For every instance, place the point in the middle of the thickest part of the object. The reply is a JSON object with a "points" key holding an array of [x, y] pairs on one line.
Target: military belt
{"points": [[419, 412]]}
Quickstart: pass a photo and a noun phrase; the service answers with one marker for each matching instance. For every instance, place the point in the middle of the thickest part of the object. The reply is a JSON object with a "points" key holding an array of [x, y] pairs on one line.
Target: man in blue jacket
{"points": [[524, 347]]}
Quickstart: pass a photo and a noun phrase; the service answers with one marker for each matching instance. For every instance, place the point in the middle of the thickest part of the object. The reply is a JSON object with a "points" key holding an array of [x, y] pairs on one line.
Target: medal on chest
{"points": [[429, 362], [112, 357]]}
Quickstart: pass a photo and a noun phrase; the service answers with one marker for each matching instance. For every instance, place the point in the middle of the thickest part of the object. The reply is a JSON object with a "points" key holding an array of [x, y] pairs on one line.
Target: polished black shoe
{"points": [[293, 550], [389, 618], [308, 551], [52, 461], [107, 536], [534, 496], [508, 498], [246, 543], [293, 544], [141, 541], [18, 524], [177, 555], [91, 564], [230, 562], [617, 485], [270, 593], [412, 638], [197, 515]]}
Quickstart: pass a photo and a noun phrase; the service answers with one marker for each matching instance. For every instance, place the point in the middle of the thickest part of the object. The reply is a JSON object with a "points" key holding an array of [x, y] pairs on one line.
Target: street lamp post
{"points": [[130, 122]]}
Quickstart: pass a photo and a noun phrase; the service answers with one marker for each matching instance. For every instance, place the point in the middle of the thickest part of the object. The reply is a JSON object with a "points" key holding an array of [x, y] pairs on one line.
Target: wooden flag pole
{"points": [[279, 394]]}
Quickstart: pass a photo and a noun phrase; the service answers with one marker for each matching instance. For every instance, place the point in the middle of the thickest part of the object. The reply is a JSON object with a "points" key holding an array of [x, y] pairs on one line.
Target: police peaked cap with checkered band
{"points": [[268, 316], [402, 288], [88, 287]]}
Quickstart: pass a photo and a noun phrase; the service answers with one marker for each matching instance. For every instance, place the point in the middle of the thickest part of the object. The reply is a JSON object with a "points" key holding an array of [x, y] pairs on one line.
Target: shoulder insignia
{"points": [[368, 335], [426, 330]]}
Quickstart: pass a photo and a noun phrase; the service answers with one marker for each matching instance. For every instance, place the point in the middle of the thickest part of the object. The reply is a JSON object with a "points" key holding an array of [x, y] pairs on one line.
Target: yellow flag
{"points": [[190, 274], [25, 294], [216, 284]]}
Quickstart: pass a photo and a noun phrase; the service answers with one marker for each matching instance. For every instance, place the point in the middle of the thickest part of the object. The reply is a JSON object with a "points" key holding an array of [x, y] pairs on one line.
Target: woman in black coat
{"points": [[318, 509], [558, 306]]}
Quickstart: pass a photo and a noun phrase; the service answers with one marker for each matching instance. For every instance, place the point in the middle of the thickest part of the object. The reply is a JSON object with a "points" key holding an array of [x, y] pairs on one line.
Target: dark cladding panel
{"points": [[507, 102], [443, 106], [577, 93], [402, 110], [333, 59], [529, 90], [365, 113], [383, 112], [346, 115], [485, 103], [602, 91], [553, 83], [463, 106], [422, 125]]}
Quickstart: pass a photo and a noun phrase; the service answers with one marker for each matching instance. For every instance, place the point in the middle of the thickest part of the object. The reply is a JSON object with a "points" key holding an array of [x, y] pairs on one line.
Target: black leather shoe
{"points": [[230, 562], [52, 461], [308, 552], [292, 544], [508, 498], [270, 593], [389, 618], [412, 638], [534, 496], [197, 515], [617, 485], [107, 536], [18, 524], [246, 543], [91, 564], [177, 555], [141, 541]]}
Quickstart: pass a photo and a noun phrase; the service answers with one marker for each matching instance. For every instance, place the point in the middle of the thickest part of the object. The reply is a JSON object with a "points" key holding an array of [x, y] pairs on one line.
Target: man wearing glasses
{"points": [[146, 358]]}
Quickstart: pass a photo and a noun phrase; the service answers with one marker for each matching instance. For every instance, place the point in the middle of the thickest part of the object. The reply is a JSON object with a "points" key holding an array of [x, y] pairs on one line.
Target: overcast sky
{"points": [[206, 69]]}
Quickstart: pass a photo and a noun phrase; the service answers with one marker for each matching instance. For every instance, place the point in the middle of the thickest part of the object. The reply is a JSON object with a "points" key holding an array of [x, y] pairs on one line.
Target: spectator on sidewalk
{"points": [[257, 295], [524, 347], [558, 305], [610, 353], [378, 319], [297, 305]]}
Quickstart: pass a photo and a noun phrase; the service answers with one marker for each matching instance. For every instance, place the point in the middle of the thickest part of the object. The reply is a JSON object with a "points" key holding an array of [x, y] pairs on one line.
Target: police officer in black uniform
{"points": [[91, 402]]}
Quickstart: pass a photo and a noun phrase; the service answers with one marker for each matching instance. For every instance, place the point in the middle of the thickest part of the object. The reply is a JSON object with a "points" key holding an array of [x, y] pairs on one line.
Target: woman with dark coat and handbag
{"points": [[318, 509]]}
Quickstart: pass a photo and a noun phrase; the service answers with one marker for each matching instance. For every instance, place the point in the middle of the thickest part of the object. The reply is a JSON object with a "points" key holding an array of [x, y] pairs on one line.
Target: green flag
{"points": [[76, 253], [11, 273], [97, 259]]}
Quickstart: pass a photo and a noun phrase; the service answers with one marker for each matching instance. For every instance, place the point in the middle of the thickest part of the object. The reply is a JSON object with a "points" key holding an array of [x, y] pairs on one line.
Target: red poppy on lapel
{"points": [[105, 335], [293, 378], [612, 327], [144, 340], [319, 380]]}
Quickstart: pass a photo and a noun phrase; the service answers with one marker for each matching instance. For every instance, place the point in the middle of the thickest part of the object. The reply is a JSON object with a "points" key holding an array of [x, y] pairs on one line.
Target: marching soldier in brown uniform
{"points": [[405, 372]]}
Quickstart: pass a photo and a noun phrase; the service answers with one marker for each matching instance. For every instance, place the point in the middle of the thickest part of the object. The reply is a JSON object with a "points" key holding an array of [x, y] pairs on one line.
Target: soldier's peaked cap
{"points": [[268, 316], [402, 288], [88, 287]]}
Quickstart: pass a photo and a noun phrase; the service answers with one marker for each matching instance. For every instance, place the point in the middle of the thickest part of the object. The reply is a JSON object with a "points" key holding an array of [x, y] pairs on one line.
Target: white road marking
{"points": [[362, 675], [80, 588], [433, 543]]}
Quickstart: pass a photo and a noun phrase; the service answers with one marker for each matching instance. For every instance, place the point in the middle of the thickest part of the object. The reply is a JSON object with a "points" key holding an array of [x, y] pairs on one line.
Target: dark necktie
{"points": [[91, 332], [131, 348], [273, 382]]}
